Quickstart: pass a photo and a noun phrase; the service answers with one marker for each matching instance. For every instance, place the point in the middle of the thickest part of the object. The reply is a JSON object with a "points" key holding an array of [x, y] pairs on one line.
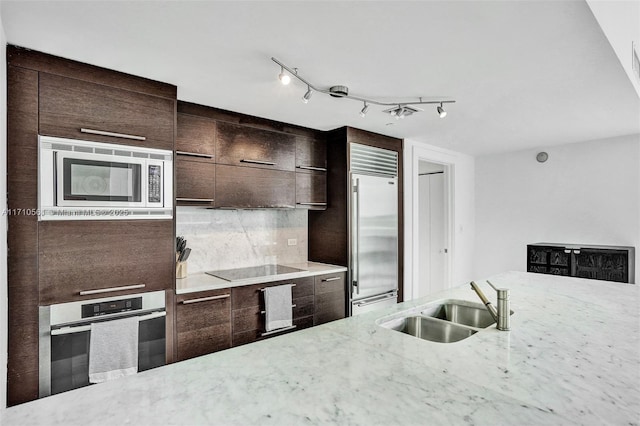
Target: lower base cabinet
{"points": [[203, 323], [330, 297], [248, 309]]}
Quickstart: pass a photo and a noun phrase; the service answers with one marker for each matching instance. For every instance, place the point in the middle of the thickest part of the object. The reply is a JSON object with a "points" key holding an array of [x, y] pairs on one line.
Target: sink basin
{"points": [[461, 312], [443, 321], [429, 329]]}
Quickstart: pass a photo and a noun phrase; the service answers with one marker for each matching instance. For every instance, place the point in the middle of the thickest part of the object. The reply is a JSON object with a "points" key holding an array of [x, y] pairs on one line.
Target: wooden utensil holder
{"points": [[181, 269]]}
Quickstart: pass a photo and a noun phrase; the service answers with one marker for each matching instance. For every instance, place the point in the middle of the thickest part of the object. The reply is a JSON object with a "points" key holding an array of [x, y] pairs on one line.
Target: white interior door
{"points": [[432, 232]]}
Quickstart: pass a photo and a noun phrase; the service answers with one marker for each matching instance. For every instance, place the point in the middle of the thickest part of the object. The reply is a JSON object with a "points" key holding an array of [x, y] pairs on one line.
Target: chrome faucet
{"points": [[501, 316]]}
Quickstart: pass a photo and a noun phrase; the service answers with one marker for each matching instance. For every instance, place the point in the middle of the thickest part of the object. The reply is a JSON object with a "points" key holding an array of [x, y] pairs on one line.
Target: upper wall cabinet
{"points": [[311, 155], [195, 160], [252, 147], [79, 109]]}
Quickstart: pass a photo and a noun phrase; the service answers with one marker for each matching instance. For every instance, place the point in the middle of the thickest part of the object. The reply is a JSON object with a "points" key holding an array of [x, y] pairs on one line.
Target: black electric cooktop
{"points": [[253, 272]]}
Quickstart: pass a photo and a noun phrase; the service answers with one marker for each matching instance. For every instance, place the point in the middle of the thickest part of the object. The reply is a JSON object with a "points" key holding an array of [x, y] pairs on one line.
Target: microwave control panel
{"points": [[155, 184]]}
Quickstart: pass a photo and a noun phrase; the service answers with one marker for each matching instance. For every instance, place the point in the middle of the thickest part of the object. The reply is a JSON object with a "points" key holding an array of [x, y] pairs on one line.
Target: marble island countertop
{"points": [[571, 357], [202, 281]]}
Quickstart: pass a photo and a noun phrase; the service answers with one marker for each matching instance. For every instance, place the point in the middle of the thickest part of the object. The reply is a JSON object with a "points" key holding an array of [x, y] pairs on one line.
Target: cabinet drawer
{"points": [[67, 105], [80, 256], [330, 297], [247, 146], [196, 135], [248, 187], [203, 323], [248, 304], [195, 181], [311, 190], [311, 155]]}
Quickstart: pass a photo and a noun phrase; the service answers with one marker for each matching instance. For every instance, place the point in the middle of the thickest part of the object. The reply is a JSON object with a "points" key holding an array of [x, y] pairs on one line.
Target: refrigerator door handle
{"points": [[356, 242], [376, 299]]}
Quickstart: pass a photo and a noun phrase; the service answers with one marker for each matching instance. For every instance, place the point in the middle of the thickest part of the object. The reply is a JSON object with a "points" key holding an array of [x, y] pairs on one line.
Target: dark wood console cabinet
{"points": [[609, 263]]}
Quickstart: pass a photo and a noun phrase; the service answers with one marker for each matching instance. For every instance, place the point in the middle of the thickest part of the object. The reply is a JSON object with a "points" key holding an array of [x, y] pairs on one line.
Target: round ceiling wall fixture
{"points": [[542, 157]]}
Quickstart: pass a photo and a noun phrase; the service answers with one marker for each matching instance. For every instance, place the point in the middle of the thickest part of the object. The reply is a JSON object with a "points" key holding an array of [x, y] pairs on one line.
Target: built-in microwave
{"points": [[93, 180]]}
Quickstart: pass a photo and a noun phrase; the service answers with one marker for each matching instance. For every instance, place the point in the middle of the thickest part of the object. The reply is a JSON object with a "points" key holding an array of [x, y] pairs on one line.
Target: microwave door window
{"points": [[89, 180]]}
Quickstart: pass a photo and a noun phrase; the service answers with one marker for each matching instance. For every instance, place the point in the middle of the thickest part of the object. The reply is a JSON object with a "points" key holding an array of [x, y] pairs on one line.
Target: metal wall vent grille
{"points": [[368, 159]]}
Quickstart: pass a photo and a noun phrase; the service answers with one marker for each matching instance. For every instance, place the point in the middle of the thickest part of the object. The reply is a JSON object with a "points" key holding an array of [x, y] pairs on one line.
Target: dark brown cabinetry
{"points": [[610, 263], [203, 323], [329, 302], [195, 161], [79, 109], [52, 261], [250, 147], [258, 163], [77, 256], [248, 305], [249, 187], [311, 173]]}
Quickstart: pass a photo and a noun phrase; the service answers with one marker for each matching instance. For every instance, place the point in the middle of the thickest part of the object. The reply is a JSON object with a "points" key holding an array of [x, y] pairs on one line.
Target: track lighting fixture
{"points": [[364, 110], [441, 112], [399, 109], [307, 95], [284, 78]]}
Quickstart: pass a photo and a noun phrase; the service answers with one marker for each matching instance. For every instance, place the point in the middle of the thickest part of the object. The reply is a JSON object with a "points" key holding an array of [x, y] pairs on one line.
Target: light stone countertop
{"points": [[204, 282], [572, 357]]}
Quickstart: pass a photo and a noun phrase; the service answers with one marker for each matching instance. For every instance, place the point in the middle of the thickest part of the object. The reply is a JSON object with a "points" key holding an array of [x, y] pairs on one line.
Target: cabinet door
{"points": [[311, 155], [247, 146], [602, 264], [311, 190], [67, 105], [248, 187], [203, 323], [248, 306], [196, 135], [330, 294], [80, 256], [195, 181]]}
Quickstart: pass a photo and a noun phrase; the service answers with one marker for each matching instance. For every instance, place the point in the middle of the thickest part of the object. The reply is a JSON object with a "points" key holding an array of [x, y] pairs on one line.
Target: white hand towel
{"points": [[277, 306], [113, 349]]}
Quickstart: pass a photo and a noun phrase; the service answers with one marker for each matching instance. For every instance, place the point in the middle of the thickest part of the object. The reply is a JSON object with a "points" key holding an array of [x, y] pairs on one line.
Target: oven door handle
{"points": [[79, 328]]}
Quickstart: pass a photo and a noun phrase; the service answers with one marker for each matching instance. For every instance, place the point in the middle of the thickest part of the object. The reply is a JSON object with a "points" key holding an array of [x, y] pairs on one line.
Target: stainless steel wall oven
{"points": [[65, 333]]}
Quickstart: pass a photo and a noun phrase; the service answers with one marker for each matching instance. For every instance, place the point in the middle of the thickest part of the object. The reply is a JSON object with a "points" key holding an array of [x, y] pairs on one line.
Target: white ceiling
{"points": [[524, 73]]}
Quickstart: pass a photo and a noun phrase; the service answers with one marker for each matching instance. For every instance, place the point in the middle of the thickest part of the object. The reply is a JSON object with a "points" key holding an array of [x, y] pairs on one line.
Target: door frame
{"points": [[412, 240]]}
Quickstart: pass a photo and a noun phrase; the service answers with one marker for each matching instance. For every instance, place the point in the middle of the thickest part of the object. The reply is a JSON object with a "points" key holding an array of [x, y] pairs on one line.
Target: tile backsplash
{"points": [[226, 239]]}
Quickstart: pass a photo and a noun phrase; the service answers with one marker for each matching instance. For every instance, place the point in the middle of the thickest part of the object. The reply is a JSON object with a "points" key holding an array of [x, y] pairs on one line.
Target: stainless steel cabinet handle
{"points": [[112, 134], [202, 200], [312, 204], [567, 251], [205, 299], [265, 163], [326, 280], [79, 328], [576, 251], [107, 290], [320, 169], [280, 330], [194, 154]]}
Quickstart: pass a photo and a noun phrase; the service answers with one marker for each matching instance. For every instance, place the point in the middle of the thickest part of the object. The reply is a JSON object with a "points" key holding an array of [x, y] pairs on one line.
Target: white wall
{"points": [[620, 22], [586, 193], [461, 249], [3, 219]]}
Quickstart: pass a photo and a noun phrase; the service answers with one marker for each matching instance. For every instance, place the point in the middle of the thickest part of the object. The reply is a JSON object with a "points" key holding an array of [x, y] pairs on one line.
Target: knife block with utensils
{"points": [[181, 269]]}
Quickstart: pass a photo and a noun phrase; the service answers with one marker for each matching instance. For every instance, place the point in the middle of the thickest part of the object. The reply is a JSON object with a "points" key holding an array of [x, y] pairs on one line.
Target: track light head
{"points": [[284, 78], [441, 112], [307, 95], [364, 110]]}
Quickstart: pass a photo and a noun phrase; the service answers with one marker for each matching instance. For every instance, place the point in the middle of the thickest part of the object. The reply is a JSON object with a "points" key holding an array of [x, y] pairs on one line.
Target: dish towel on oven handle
{"points": [[277, 306], [113, 349]]}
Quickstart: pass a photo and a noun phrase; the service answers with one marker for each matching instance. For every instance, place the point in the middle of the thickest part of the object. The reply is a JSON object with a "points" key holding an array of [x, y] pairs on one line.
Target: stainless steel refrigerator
{"points": [[374, 228]]}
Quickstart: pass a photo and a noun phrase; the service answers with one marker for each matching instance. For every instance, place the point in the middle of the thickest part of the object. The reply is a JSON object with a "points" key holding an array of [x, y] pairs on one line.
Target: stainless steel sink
{"points": [[443, 321], [429, 329], [461, 312]]}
